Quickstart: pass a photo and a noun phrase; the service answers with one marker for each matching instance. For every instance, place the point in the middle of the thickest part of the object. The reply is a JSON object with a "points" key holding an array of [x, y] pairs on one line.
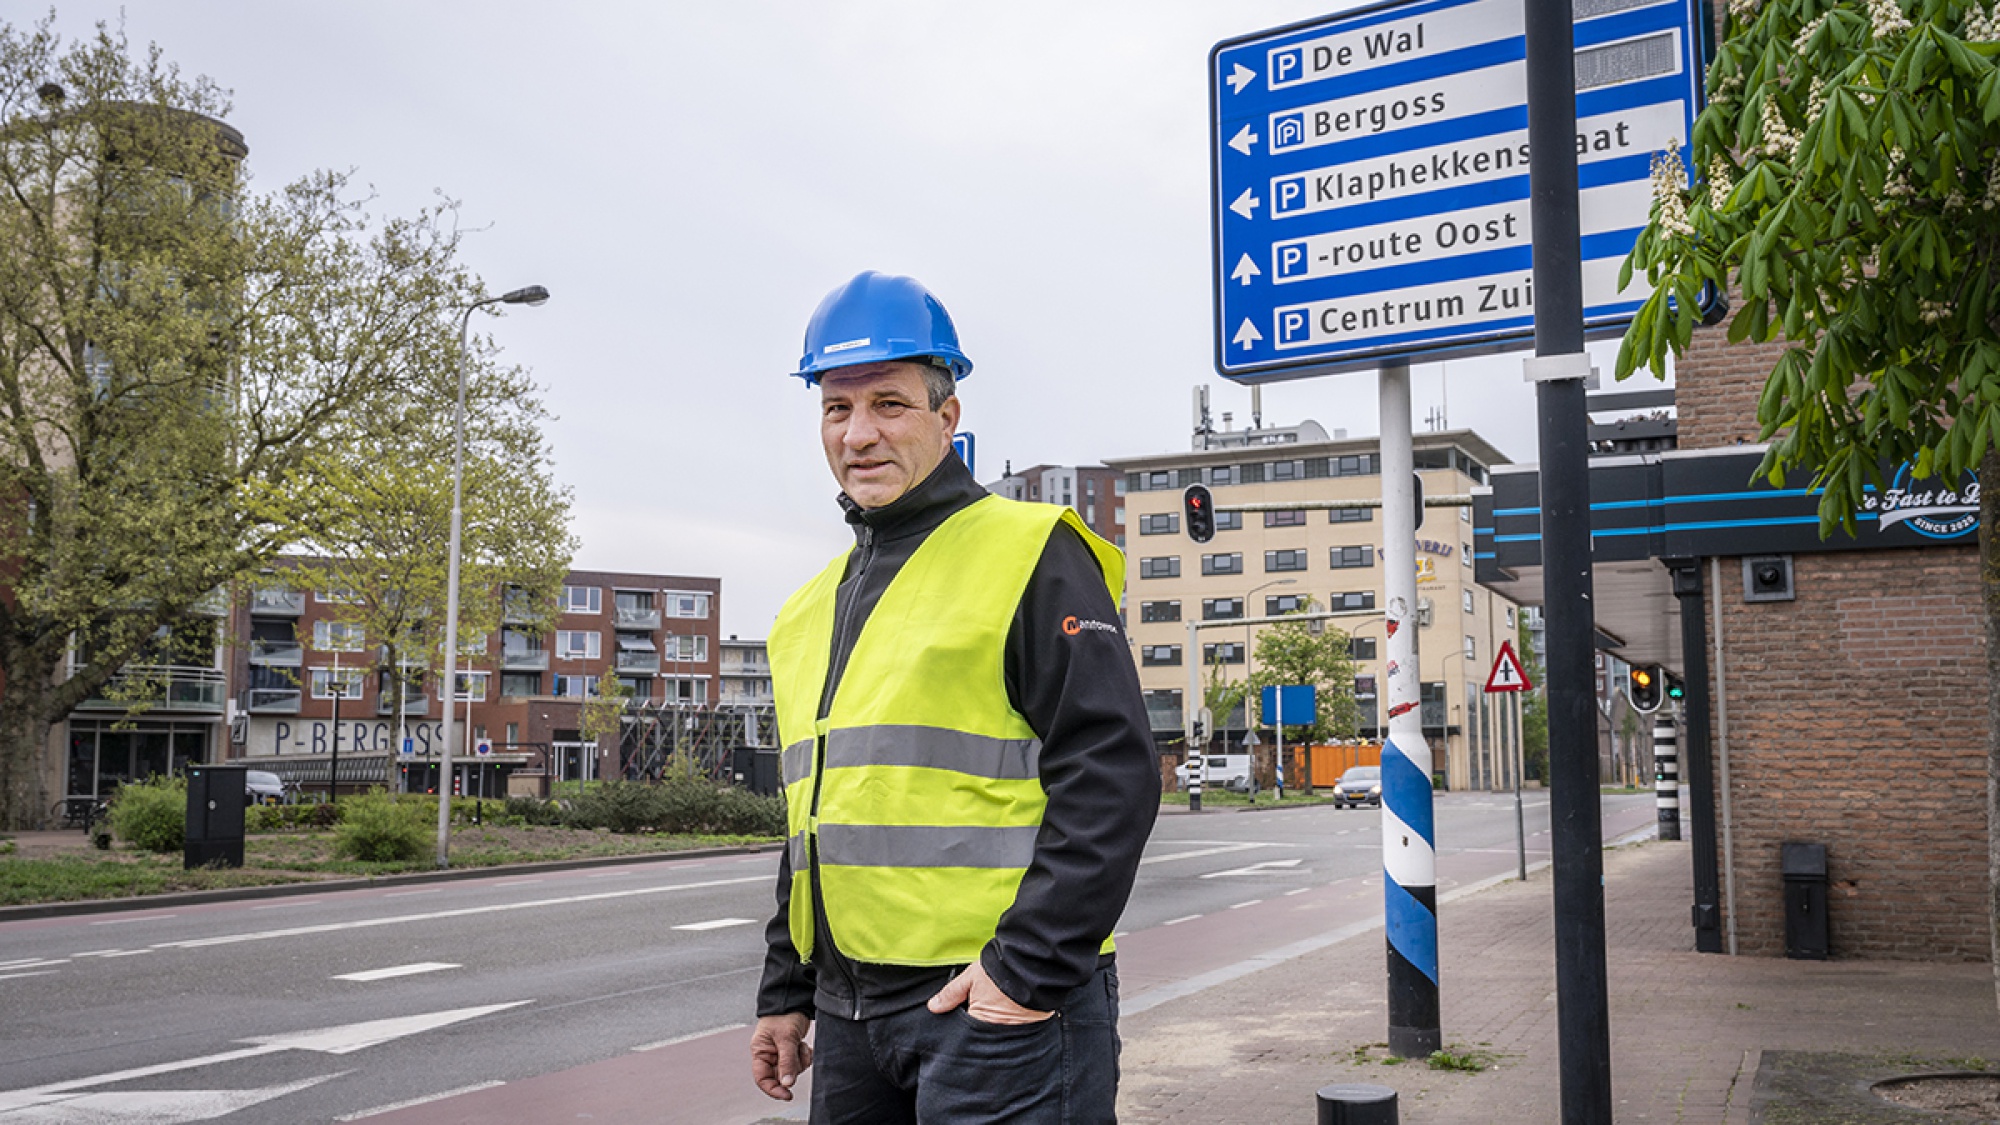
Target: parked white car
{"points": [[1225, 771], [262, 787]]}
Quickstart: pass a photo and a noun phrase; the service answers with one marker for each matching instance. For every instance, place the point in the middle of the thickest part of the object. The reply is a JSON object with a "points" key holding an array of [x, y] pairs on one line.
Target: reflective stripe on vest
{"points": [[926, 780]]}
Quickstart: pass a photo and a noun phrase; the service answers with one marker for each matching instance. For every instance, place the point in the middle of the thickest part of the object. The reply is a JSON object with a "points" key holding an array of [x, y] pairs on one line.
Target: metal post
{"points": [[1666, 776], [1520, 767], [333, 764], [1707, 911], [1583, 1021], [1190, 707], [1278, 724], [1409, 839], [450, 684]]}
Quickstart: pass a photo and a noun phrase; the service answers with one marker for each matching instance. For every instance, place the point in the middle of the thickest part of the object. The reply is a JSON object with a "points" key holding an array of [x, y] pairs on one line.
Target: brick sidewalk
{"points": [[1686, 1028]]}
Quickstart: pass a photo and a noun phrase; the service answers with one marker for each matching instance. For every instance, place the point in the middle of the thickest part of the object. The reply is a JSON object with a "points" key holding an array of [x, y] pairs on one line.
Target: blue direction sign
{"points": [[963, 445], [1370, 177]]}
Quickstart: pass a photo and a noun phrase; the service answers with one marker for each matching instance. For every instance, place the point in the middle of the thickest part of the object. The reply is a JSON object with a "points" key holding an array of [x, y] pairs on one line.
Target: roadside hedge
{"points": [[151, 814]]}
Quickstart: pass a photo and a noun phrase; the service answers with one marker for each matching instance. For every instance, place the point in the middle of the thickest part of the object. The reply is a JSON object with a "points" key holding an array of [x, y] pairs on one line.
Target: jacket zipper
{"points": [[867, 536]]}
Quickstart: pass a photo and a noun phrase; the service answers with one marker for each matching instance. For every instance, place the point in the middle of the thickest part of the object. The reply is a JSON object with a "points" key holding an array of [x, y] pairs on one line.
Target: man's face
{"points": [[881, 436]]}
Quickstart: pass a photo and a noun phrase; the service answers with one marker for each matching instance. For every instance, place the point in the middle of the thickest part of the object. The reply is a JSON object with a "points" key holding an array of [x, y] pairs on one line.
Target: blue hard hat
{"points": [[879, 317]]}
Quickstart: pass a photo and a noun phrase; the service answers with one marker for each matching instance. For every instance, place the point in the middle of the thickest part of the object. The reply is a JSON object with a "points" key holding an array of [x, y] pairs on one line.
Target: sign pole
{"points": [[1583, 1021], [1409, 840], [1197, 762], [1278, 721]]}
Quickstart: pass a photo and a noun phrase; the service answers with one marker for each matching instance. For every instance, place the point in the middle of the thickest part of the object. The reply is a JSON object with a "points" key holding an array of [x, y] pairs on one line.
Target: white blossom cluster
{"points": [[1815, 99], [1931, 312], [1670, 192], [1992, 199], [1743, 11], [1982, 25], [1779, 139], [1885, 18], [1898, 184], [1719, 183], [1805, 34]]}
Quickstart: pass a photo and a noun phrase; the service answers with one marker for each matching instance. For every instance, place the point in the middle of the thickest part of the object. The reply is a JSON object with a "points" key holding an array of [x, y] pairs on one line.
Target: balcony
{"points": [[646, 662], [277, 603], [516, 611], [161, 687], [276, 654], [524, 660], [272, 701], [414, 703], [215, 603], [634, 617]]}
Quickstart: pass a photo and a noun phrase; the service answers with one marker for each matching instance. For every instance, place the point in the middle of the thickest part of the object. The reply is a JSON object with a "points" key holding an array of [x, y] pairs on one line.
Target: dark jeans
{"points": [[913, 1066]]}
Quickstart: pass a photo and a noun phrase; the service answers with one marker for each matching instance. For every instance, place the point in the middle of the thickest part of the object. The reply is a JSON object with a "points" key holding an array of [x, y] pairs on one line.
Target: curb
{"points": [[36, 910]]}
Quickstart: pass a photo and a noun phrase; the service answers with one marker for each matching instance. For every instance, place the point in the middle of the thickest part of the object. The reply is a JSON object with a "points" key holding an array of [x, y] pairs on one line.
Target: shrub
{"points": [[264, 818], [739, 812], [530, 810], [151, 814], [621, 806], [677, 803], [378, 828]]}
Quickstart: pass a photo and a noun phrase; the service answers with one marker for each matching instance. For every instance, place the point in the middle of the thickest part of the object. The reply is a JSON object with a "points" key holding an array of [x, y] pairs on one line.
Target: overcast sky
{"points": [[688, 179]]}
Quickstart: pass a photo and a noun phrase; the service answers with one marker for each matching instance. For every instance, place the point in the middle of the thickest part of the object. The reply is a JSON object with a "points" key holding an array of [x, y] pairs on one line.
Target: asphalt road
{"points": [[495, 999]]}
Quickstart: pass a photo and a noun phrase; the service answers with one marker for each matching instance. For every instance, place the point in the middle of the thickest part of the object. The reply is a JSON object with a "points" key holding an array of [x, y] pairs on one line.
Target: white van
{"points": [[1225, 771]]}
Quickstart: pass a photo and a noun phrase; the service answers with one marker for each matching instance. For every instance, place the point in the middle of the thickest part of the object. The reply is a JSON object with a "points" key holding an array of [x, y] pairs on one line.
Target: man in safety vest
{"points": [[969, 771]]}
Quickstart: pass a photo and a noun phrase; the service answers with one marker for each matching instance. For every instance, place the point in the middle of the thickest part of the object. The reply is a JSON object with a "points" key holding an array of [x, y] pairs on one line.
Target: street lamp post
{"points": [[531, 296], [1249, 668]]}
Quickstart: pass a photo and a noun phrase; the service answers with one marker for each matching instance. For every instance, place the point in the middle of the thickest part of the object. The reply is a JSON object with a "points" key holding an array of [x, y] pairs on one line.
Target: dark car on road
{"points": [[1359, 786]]}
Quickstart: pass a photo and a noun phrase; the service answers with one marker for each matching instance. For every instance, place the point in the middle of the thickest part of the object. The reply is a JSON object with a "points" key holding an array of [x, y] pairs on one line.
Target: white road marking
{"points": [[89, 953], [1220, 849], [141, 918], [1178, 921], [20, 962], [144, 1107], [1241, 905], [1268, 867], [519, 883], [689, 1037], [293, 902], [715, 924], [399, 971], [127, 953], [30, 973], [47, 964], [426, 1100], [461, 912], [1299, 891], [406, 894]]}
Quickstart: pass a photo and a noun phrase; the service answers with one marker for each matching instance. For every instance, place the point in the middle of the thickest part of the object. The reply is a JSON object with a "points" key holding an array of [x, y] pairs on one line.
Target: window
{"points": [[1159, 611], [1364, 687], [1291, 517], [338, 636], [1275, 604], [583, 599], [471, 685], [520, 683], [1222, 474], [1465, 599], [1510, 618], [1118, 487], [1286, 470], [1156, 481], [1356, 599], [685, 603], [1355, 465], [638, 687], [1221, 609], [1118, 515], [1169, 567], [1229, 521], [323, 683], [692, 649], [1160, 523], [1465, 555], [1361, 648], [1119, 540], [1285, 560], [576, 687], [686, 689], [1465, 515], [474, 645], [337, 595], [1471, 648], [577, 644], [1231, 563], [1350, 515], [1222, 652], [1163, 709], [1348, 558], [1157, 656]]}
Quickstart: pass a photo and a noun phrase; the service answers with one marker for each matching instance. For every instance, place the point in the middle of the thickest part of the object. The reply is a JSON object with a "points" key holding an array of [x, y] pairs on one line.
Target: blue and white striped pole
{"points": [[1409, 840], [1667, 774]]}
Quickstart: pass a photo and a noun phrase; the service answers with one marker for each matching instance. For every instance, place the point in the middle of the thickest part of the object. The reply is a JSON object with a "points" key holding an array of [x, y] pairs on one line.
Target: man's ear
{"points": [[950, 411]]}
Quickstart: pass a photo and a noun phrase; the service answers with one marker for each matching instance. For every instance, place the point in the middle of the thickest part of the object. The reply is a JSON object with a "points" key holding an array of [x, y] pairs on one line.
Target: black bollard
{"points": [[1356, 1103]]}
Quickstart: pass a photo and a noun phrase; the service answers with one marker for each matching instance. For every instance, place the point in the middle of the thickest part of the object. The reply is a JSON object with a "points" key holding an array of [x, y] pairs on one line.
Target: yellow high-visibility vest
{"points": [[925, 777]]}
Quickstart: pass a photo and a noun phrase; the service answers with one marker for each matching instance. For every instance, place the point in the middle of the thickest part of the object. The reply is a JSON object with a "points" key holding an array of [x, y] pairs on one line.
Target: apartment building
{"points": [[306, 688], [1272, 562], [745, 674], [1097, 492]]}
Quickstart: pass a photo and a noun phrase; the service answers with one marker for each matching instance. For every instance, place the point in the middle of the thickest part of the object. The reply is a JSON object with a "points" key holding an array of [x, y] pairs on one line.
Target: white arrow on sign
{"points": [[1242, 76], [1268, 867], [1247, 335], [1243, 139], [1245, 270], [42, 1101], [1245, 203]]}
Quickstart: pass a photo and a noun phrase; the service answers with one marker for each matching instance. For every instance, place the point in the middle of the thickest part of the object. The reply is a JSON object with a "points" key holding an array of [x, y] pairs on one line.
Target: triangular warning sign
{"points": [[1507, 674]]}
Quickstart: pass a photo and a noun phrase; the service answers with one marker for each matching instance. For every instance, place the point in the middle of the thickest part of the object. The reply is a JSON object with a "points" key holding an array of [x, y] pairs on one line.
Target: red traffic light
{"points": [[1199, 513]]}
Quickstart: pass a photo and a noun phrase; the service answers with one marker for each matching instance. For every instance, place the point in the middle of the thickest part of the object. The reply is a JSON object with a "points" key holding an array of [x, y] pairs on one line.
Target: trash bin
{"points": [[214, 817], [1806, 936]]}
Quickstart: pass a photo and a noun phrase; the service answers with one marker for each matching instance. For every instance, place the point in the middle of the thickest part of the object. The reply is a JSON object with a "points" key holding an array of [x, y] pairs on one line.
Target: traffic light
{"points": [[1676, 688], [1644, 687], [1198, 508]]}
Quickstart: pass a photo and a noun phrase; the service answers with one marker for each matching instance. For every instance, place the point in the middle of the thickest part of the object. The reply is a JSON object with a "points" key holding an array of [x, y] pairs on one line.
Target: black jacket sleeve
{"points": [[1070, 672], [787, 985]]}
